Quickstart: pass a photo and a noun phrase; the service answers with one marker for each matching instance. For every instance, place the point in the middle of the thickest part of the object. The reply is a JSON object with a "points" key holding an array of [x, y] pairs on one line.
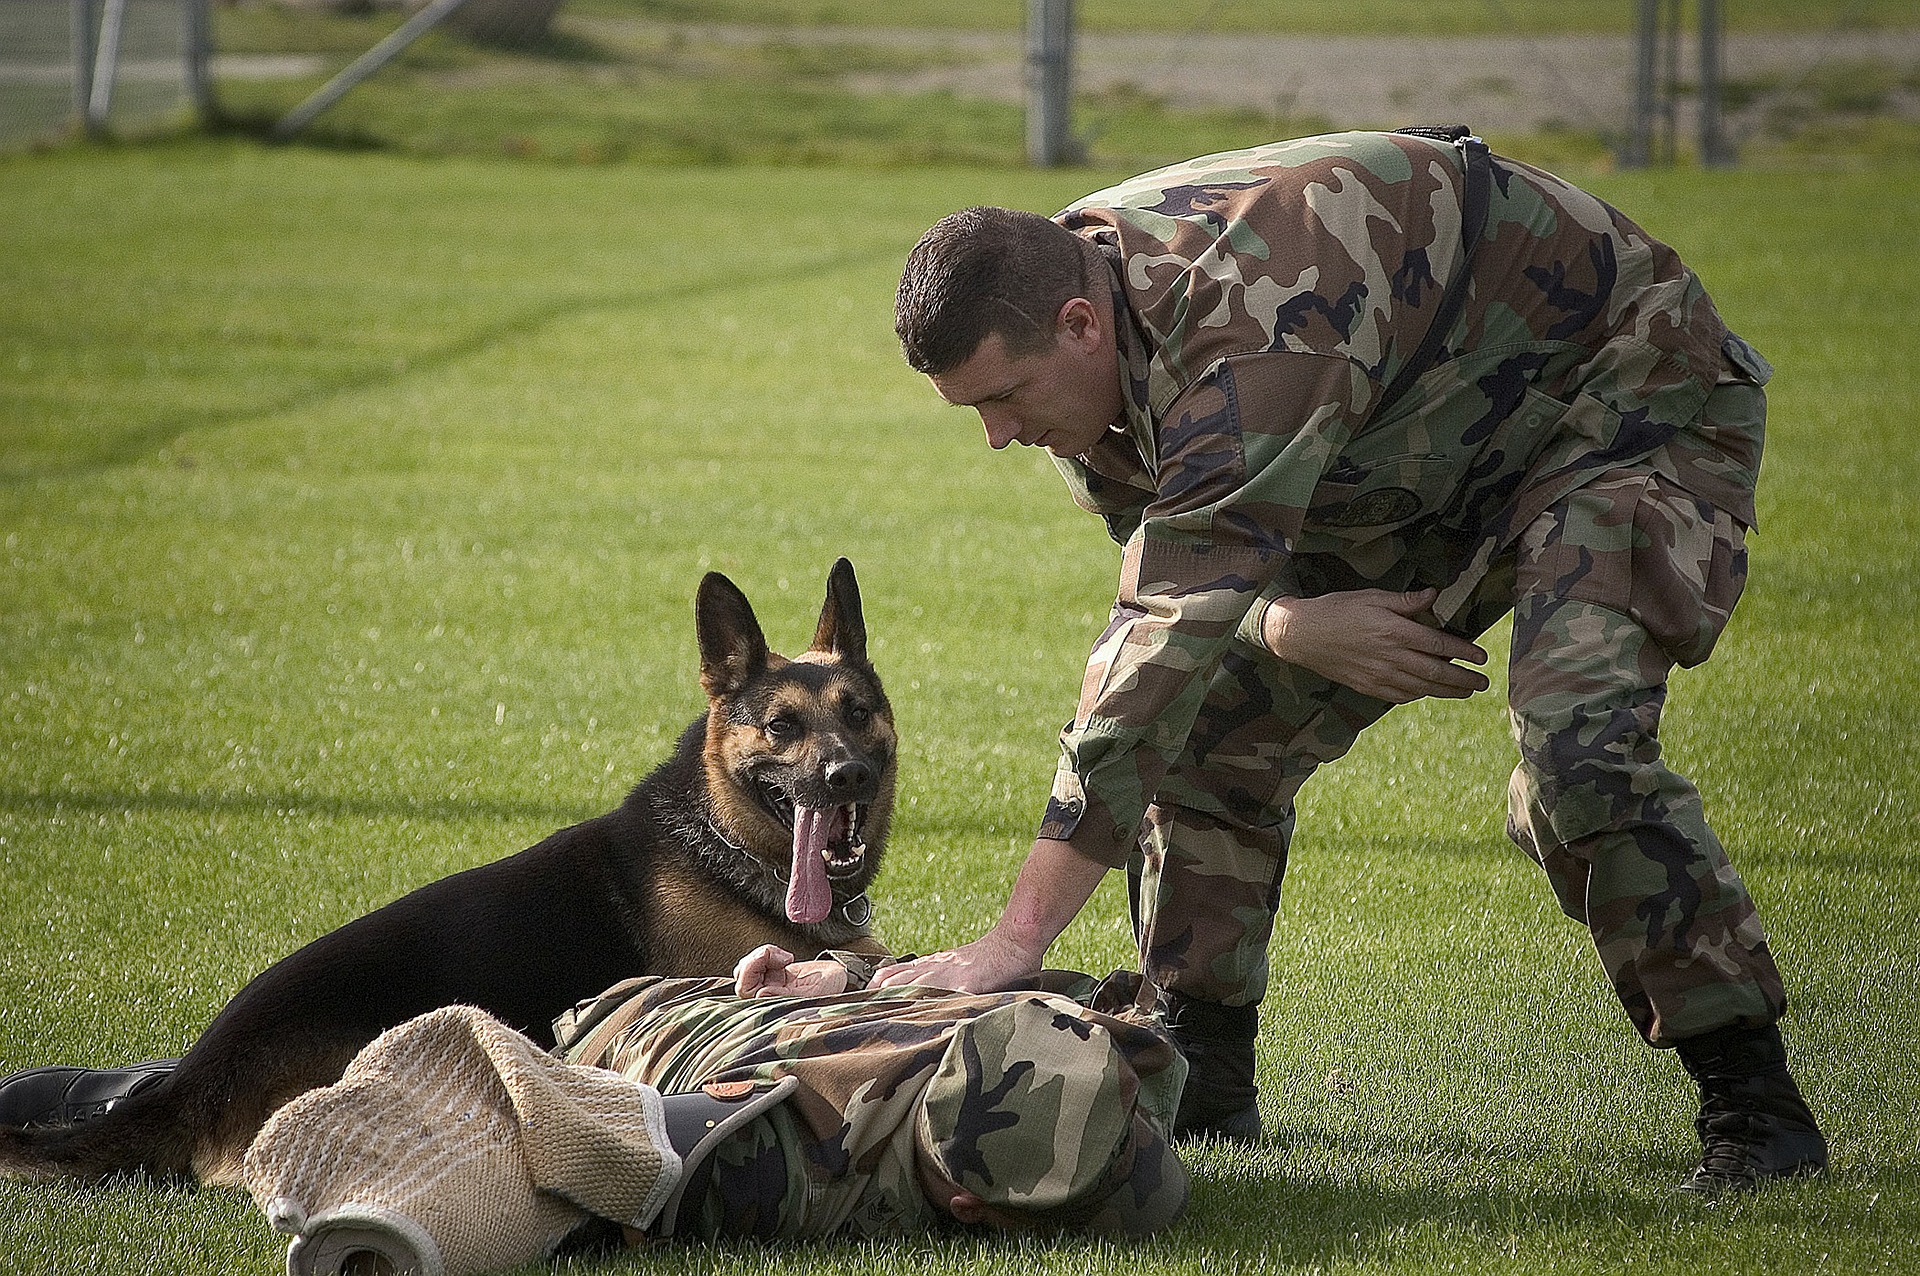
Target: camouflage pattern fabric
{"points": [[1031, 1099], [1590, 429], [1614, 584]]}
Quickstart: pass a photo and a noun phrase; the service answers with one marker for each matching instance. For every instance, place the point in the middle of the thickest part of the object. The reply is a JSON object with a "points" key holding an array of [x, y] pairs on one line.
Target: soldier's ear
{"points": [[1079, 323], [733, 651], [842, 629]]}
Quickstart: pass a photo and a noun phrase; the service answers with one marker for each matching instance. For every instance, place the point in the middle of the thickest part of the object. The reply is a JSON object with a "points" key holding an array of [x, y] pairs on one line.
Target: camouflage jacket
{"points": [[1263, 301], [838, 1156]]}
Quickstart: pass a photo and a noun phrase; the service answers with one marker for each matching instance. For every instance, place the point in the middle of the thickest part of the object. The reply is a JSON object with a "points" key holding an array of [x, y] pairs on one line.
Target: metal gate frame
{"points": [[96, 58]]}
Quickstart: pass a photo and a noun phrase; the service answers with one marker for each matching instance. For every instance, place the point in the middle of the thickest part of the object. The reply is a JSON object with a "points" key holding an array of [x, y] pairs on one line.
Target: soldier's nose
{"points": [[849, 776], [1000, 430]]}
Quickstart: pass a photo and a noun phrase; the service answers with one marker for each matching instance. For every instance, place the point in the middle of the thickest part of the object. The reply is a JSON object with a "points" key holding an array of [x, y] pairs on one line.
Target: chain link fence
{"points": [[124, 67], [913, 81]]}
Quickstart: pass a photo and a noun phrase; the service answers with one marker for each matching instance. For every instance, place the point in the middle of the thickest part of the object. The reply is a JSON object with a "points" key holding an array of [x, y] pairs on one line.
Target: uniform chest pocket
{"points": [[1354, 503]]}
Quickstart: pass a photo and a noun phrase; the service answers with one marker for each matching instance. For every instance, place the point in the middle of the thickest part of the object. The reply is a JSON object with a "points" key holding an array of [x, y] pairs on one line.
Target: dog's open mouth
{"points": [[826, 845]]}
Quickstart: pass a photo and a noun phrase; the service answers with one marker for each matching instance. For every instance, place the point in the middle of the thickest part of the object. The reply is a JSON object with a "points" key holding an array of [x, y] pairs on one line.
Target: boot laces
{"points": [[1728, 1139]]}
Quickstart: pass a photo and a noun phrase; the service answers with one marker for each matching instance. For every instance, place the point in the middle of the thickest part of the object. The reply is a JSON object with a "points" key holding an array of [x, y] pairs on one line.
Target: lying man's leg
{"points": [[59, 1095]]}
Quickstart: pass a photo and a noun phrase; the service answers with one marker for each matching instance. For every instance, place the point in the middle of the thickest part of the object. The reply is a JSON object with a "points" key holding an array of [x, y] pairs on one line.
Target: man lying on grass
{"points": [[678, 1110]]}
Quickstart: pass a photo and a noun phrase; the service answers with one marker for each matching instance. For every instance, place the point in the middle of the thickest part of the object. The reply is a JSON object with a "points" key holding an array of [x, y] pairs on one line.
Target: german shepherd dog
{"points": [[764, 827]]}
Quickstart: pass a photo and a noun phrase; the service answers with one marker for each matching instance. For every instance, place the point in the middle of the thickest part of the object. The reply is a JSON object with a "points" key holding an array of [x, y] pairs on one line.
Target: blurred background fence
{"points": [[111, 66], [914, 81]]}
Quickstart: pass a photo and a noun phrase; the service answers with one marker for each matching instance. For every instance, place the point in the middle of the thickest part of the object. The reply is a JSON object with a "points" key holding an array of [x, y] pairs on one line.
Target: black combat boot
{"points": [[67, 1096], [1753, 1124], [1220, 1099]]}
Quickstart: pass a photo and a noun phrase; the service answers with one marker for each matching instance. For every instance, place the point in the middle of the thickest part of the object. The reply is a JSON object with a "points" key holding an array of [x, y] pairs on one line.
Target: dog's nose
{"points": [[849, 776]]}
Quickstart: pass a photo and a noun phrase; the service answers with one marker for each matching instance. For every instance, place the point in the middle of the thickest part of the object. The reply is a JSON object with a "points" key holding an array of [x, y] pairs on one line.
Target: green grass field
{"points": [[351, 509]]}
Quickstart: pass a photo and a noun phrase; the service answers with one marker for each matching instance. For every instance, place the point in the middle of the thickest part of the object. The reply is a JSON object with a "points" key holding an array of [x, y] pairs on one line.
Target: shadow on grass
{"points": [[284, 804], [1271, 1219], [140, 440], [572, 47]]}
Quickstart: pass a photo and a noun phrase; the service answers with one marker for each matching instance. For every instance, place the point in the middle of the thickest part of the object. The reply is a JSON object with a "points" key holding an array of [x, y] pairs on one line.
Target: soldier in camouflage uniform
{"points": [[871, 1112], [1321, 507]]}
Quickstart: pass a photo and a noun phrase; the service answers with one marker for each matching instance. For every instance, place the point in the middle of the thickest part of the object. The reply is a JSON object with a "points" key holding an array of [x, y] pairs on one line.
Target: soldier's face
{"points": [[1061, 398]]}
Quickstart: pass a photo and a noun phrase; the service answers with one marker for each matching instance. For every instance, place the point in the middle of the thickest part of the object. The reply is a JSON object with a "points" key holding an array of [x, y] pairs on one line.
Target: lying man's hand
{"points": [[770, 971], [1375, 641]]}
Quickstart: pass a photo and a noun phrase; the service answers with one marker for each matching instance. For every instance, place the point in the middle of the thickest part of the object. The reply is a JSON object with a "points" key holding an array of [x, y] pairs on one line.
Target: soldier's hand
{"points": [[1381, 643], [988, 964], [770, 971]]}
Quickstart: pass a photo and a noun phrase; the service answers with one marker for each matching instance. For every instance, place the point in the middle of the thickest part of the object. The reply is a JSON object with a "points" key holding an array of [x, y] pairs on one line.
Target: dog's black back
{"points": [[652, 887]]}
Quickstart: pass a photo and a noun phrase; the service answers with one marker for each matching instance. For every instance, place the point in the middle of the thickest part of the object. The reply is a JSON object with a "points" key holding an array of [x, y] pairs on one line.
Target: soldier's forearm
{"points": [[1054, 884]]}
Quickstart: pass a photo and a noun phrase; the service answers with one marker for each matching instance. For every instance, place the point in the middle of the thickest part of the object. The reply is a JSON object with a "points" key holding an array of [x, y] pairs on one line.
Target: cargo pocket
{"points": [[1635, 543], [1689, 568]]}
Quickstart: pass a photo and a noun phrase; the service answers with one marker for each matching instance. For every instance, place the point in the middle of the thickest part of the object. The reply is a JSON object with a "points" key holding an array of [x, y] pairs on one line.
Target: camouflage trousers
{"points": [[1609, 588]]}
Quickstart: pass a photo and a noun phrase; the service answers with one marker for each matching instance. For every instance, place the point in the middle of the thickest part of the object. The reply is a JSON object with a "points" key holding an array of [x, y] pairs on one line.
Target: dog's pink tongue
{"points": [[809, 894]]}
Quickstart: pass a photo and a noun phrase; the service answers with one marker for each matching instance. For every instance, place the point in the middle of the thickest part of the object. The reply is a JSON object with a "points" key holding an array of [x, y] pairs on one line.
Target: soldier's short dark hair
{"points": [[980, 271]]}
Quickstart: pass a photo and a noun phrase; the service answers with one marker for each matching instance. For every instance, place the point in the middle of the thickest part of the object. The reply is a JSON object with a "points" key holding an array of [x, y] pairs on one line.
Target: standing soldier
{"points": [[1346, 401]]}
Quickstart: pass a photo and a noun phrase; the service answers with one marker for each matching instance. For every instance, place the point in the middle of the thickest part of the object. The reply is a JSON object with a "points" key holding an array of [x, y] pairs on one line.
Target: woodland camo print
{"points": [[1032, 1099], [1583, 454]]}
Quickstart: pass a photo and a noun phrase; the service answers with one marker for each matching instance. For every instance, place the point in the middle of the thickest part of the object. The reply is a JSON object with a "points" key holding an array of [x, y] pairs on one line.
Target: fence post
{"points": [[1670, 87], [106, 65], [1050, 83], [82, 12], [1646, 36], [199, 41], [1713, 143]]}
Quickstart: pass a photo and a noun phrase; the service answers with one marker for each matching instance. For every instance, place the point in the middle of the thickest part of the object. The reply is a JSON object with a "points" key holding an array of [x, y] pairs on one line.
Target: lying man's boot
{"points": [[1753, 1124], [67, 1096], [1220, 1098]]}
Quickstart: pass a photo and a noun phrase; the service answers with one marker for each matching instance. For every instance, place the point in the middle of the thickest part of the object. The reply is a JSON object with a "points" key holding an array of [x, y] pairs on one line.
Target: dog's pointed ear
{"points": [[733, 651], [842, 630]]}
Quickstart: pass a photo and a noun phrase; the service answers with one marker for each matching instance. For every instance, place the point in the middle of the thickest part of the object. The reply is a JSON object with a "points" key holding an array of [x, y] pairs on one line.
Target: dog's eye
{"points": [[858, 714], [783, 727]]}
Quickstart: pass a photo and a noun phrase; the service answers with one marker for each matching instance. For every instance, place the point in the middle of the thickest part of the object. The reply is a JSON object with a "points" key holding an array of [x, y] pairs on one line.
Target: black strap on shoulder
{"points": [[1478, 165], [701, 1121]]}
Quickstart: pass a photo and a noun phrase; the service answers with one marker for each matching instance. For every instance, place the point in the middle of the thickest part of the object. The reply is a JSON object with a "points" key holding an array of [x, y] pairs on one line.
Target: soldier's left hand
{"points": [[1380, 642]]}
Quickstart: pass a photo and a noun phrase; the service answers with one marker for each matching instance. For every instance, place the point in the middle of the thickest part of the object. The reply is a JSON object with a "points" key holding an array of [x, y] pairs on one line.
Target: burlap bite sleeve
{"points": [[454, 1145]]}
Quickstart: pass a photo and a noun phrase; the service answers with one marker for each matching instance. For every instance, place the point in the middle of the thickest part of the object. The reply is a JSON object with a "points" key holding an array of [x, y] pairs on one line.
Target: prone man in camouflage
{"points": [[1345, 403], [684, 1109], [872, 1112]]}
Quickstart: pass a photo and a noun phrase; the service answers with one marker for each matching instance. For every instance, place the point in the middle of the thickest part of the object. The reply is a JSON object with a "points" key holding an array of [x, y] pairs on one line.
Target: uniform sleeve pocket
{"points": [[1689, 569], [1354, 504], [1746, 360]]}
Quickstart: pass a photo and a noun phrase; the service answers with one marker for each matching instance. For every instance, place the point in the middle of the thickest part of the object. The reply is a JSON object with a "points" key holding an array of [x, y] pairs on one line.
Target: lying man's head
{"points": [[1032, 1122]]}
